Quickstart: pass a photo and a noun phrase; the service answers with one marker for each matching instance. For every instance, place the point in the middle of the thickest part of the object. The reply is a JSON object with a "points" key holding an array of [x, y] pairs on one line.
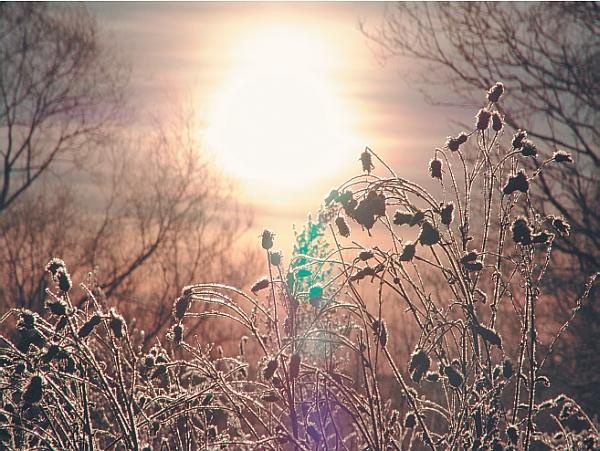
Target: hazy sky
{"points": [[288, 94]]}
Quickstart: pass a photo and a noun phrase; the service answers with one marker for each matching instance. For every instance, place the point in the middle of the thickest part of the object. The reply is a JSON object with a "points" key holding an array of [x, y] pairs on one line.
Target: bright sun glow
{"points": [[278, 117]]}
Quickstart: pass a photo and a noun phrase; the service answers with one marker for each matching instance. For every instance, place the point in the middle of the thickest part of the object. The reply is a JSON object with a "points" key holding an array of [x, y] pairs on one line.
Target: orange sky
{"points": [[303, 71]]}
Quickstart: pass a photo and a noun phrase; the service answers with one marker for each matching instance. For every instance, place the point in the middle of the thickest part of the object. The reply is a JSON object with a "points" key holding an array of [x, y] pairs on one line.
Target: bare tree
{"points": [[58, 89], [547, 55], [143, 211], [158, 216]]}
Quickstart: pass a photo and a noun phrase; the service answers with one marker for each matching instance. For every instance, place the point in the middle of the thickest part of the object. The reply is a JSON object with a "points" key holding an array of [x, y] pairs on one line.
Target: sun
{"points": [[278, 121]]}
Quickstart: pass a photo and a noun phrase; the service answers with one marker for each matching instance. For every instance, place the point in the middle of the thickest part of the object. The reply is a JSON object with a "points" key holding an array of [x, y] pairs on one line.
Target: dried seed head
{"points": [[366, 161], [488, 335], [267, 239], [295, 360], [61, 323], [454, 143], [342, 225], [27, 320], [34, 390], [348, 202], [410, 421], [89, 326], [518, 139], [64, 280], [270, 368], [473, 266], [369, 209], [495, 92], [521, 231], [402, 217], [541, 238], [381, 332], [435, 168], [177, 333], [5, 437], [116, 323], [159, 371], [419, 364], [518, 182], [54, 265], [528, 148], [470, 256], [512, 434], [507, 368], [432, 376], [57, 307], [314, 434], [483, 119], [366, 254], [560, 224], [181, 305], [408, 252], [259, 285], [275, 258], [560, 156], [455, 377], [447, 213], [149, 361], [496, 121], [333, 196], [429, 234]]}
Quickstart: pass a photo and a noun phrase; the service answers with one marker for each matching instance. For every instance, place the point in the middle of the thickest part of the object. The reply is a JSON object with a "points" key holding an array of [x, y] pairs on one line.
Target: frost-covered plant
{"points": [[316, 367]]}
